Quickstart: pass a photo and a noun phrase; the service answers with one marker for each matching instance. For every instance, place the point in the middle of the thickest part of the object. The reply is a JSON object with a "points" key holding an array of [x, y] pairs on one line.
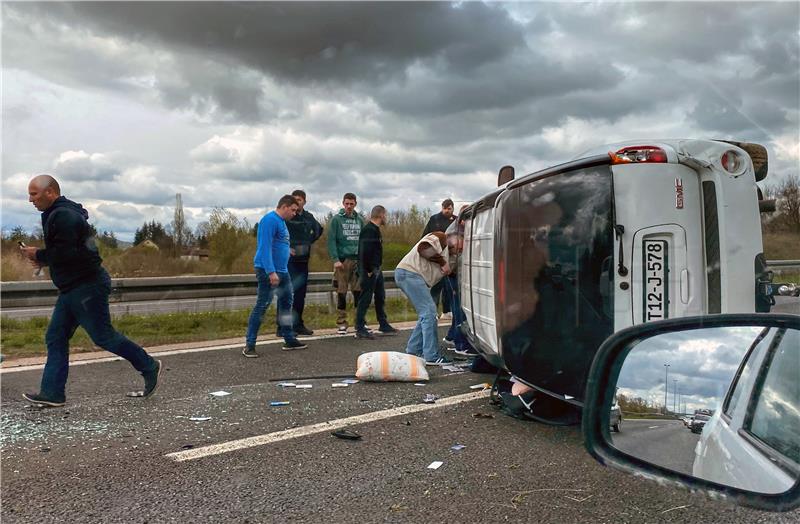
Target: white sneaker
{"points": [[450, 344], [446, 316], [341, 330]]}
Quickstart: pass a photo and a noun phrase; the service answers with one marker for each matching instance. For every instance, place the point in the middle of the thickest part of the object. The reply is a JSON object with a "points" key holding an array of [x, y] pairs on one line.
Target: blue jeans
{"points": [[298, 272], [264, 299], [454, 333], [424, 340], [85, 306]]}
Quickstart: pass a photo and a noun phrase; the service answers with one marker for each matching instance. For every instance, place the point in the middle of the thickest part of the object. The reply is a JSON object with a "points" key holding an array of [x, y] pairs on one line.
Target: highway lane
{"points": [[103, 457], [665, 443]]}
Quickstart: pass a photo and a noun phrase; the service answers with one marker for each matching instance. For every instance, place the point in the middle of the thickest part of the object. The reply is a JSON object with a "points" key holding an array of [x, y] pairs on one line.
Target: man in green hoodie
{"points": [[345, 227]]}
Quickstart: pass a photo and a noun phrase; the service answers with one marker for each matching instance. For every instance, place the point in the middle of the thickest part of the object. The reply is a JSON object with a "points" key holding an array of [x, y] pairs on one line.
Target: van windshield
{"points": [[558, 278]]}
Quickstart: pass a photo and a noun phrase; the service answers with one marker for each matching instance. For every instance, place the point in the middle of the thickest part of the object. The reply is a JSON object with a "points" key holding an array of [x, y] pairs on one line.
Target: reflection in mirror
{"points": [[721, 404]]}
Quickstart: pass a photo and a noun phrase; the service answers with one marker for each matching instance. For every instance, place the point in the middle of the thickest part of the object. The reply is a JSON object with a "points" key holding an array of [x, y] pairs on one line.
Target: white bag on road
{"points": [[391, 366]]}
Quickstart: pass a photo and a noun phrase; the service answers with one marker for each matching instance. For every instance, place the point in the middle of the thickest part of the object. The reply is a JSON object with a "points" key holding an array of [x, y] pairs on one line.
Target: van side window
{"points": [[745, 372], [711, 238], [775, 418]]}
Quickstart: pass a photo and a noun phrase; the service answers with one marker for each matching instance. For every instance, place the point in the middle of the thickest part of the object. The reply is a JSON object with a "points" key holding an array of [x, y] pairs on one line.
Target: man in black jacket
{"points": [[84, 286], [370, 259], [440, 222], [304, 230]]}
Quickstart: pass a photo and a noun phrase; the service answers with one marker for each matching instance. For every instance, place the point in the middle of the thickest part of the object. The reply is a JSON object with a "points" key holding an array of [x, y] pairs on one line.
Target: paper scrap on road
{"points": [[339, 385], [480, 386], [220, 393], [435, 464], [199, 419], [454, 369], [279, 403], [304, 386], [420, 384], [458, 447], [430, 398], [287, 385]]}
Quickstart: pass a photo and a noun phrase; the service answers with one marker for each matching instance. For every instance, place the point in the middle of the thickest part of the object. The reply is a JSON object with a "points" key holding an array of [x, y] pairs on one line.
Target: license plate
{"points": [[656, 284]]}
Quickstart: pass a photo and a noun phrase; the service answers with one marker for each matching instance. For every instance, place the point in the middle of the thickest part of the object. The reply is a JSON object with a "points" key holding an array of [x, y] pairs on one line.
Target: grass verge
{"points": [[25, 338]]}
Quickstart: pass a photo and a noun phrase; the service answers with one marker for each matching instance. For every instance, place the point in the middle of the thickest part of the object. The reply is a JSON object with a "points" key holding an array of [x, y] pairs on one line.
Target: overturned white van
{"points": [[556, 261]]}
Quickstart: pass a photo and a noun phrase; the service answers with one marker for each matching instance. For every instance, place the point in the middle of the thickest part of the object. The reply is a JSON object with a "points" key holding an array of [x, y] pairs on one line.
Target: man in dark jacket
{"points": [[370, 259], [84, 286], [304, 230], [440, 222]]}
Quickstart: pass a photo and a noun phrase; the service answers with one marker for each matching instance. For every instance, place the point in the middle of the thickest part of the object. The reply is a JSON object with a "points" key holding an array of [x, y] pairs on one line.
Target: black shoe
{"points": [[151, 380], [303, 331], [43, 401], [293, 344], [366, 335], [250, 352], [388, 330]]}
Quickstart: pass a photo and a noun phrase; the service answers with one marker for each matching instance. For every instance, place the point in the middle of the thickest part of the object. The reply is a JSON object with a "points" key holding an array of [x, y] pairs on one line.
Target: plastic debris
{"points": [[350, 381], [199, 419], [436, 464], [430, 398], [454, 369], [458, 447], [346, 435], [287, 385], [220, 393], [279, 403], [187, 446], [304, 386], [420, 384], [480, 386], [339, 385]]}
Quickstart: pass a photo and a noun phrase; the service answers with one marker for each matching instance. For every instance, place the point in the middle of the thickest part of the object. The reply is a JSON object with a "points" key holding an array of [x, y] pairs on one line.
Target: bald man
{"points": [[83, 286]]}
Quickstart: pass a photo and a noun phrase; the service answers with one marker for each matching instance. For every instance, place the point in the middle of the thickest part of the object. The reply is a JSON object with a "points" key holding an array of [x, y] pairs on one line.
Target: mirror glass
{"points": [[721, 404]]}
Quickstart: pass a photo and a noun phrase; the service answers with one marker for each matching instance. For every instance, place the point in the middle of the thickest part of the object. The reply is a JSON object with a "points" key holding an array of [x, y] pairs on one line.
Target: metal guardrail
{"points": [[44, 293], [784, 264]]}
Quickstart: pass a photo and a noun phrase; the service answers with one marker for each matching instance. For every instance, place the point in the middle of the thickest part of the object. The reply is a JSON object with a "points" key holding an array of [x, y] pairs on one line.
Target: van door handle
{"points": [[685, 286]]}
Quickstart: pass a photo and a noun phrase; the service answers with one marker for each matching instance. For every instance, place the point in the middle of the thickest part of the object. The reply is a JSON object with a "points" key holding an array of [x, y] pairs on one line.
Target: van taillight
{"points": [[731, 162], [638, 155]]}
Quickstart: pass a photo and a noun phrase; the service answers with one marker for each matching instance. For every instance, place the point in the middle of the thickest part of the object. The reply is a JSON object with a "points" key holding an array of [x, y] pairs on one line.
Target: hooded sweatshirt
{"points": [[343, 236], [69, 250]]}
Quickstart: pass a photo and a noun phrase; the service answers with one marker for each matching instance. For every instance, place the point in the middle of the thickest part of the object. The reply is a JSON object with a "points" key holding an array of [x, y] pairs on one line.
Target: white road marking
{"points": [[331, 425], [654, 427], [34, 367]]}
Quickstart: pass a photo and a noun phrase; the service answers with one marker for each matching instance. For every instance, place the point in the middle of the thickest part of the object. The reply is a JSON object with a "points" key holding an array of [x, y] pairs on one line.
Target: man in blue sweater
{"points": [[271, 265]]}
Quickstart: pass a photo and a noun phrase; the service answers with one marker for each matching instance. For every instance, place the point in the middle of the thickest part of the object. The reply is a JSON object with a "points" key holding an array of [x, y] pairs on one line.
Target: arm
{"points": [[265, 240], [428, 252], [366, 250], [64, 233], [317, 229]]}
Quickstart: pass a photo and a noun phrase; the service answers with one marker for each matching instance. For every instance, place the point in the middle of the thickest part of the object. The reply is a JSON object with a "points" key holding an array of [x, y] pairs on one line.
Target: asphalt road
{"points": [[666, 443], [102, 458]]}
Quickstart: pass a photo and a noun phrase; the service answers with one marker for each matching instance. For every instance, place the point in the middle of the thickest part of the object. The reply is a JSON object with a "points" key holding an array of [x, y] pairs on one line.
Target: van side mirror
{"points": [[506, 175], [710, 403]]}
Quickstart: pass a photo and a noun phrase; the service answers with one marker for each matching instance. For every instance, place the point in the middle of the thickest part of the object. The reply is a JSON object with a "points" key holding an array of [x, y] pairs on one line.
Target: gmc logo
{"points": [[678, 193]]}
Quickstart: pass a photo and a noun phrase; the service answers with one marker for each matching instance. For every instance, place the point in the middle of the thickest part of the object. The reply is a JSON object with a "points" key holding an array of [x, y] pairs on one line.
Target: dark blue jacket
{"points": [[69, 248]]}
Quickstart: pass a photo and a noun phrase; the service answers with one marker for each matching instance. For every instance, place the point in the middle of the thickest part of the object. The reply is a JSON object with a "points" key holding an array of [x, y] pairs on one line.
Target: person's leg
{"points": [[451, 288], [298, 270], [380, 301], [263, 299], [403, 280], [284, 294], [428, 321], [364, 300], [353, 280], [436, 292], [56, 369], [340, 274], [89, 305]]}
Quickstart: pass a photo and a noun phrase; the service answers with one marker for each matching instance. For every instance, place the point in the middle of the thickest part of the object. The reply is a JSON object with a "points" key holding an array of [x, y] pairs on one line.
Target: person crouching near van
{"points": [[422, 268]]}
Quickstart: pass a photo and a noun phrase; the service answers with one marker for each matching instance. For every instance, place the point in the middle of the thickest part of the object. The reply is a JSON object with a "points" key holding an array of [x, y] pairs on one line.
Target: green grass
{"points": [[25, 338]]}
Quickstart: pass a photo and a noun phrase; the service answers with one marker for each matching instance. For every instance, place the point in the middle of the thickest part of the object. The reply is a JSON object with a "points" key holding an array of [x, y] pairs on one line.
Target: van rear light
{"points": [[638, 155], [731, 161]]}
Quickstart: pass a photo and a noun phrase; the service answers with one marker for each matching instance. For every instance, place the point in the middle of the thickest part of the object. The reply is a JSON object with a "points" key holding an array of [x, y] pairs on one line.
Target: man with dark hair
{"points": [[271, 261], [344, 230], [83, 289], [440, 222], [370, 259], [304, 230]]}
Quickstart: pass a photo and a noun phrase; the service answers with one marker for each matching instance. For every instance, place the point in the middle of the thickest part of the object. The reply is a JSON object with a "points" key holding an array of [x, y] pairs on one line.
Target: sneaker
{"points": [[293, 344], [43, 401], [151, 380], [341, 330], [448, 343], [250, 352], [446, 316], [388, 330], [303, 331], [441, 361], [366, 335], [467, 352]]}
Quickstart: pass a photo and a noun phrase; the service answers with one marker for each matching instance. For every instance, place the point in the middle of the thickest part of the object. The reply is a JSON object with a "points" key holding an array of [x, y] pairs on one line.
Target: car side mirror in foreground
{"points": [[707, 403]]}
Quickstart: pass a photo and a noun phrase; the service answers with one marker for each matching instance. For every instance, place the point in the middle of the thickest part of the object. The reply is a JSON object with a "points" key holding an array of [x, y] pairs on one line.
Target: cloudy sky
{"points": [[235, 104]]}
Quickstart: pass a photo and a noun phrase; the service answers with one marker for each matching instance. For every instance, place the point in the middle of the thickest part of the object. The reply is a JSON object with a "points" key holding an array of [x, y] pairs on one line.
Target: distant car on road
{"points": [[686, 420], [699, 422]]}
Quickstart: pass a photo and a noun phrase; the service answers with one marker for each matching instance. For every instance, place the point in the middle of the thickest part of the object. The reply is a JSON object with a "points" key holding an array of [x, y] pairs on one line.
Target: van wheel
{"points": [[615, 427]]}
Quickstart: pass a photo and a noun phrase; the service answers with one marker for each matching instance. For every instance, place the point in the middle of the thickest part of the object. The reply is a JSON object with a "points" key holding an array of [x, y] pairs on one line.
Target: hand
{"points": [[30, 254], [446, 269], [337, 265], [370, 273], [274, 279], [292, 251]]}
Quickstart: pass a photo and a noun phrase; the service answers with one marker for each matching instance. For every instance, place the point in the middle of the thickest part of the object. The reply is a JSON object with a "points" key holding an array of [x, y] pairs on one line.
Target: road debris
{"points": [[279, 403], [430, 398], [304, 386], [420, 384], [483, 386], [458, 447], [346, 435], [287, 385], [482, 415], [199, 419], [339, 385], [220, 393], [350, 381], [454, 369], [435, 464]]}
